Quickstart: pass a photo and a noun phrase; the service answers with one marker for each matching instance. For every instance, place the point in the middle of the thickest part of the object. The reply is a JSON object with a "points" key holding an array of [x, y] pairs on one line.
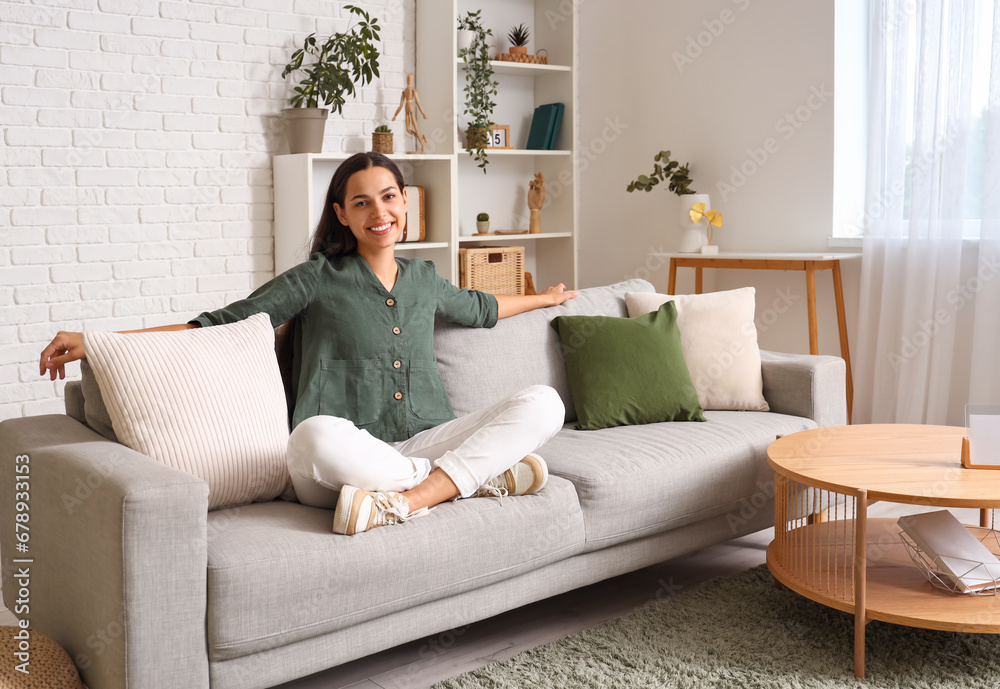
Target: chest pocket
{"points": [[428, 399], [351, 389]]}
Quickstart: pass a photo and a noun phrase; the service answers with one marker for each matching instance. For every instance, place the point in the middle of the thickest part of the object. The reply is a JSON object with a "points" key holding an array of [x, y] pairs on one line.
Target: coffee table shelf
{"points": [[825, 547], [897, 591]]}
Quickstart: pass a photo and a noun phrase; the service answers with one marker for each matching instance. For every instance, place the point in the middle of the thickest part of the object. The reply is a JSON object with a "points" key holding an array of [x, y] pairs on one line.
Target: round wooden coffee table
{"points": [[826, 548]]}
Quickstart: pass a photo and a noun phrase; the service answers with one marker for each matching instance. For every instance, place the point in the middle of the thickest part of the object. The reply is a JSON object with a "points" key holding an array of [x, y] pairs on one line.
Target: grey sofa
{"points": [[147, 589]]}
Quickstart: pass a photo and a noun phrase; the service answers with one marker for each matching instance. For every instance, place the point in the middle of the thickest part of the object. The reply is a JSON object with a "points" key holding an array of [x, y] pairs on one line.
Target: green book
{"points": [[556, 125], [541, 127]]}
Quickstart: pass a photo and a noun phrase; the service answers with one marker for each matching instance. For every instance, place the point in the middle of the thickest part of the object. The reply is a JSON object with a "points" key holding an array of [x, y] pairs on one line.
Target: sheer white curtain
{"points": [[929, 320]]}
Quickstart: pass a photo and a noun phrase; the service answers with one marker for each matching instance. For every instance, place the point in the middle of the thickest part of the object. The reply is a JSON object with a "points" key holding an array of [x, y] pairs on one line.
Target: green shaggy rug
{"points": [[744, 632]]}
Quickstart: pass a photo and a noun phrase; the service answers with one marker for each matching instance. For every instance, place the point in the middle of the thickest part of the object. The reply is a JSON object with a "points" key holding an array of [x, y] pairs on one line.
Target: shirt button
{"points": [[397, 363], [396, 331], [390, 302], [398, 395]]}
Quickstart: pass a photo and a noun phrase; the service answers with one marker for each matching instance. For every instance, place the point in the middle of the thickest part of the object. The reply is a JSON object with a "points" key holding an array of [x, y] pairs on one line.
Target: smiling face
{"points": [[374, 209]]}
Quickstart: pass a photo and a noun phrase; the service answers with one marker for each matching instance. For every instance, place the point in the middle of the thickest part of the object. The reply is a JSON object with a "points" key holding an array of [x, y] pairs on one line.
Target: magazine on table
{"points": [[954, 550]]}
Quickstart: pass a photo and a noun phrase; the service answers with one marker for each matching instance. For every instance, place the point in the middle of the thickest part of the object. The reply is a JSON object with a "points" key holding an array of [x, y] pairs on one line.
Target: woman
{"points": [[373, 431]]}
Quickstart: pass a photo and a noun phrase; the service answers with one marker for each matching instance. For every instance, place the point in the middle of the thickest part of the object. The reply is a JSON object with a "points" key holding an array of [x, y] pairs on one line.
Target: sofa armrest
{"points": [[806, 385], [118, 554]]}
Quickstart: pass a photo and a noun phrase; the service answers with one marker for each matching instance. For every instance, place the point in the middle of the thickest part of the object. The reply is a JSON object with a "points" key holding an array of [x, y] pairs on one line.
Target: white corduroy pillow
{"points": [[208, 401], [719, 340]]}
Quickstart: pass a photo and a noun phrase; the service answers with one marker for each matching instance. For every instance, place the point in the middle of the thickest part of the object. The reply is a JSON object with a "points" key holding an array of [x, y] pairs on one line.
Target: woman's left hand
{"points": [[511, 304], [558, 294]]}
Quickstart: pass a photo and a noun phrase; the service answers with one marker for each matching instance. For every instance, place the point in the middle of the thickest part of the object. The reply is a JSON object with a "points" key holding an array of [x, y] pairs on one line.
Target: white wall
{"points": [[135, 165], [135, 179], [721, 84]]}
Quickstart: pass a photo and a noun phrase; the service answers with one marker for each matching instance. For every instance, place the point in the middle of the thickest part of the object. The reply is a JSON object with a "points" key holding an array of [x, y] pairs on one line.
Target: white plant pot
{"points": [[483, 226], [465, 39], [693, 235]]}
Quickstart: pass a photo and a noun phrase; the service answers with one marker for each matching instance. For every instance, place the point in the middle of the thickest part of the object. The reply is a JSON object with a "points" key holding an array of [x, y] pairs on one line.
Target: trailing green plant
{"points": [[518, 36], [665, 170], [383, 129], [339, 62], [483, 217], [480, 86]]}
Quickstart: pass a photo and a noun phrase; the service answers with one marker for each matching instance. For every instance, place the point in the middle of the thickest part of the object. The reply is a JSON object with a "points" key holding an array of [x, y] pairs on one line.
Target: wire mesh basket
{"points": [[963, 576]]}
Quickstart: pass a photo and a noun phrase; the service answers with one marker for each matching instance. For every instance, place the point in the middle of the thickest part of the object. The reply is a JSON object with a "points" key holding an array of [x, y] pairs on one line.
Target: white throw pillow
{"points": [[719, 340], [208, 401]]}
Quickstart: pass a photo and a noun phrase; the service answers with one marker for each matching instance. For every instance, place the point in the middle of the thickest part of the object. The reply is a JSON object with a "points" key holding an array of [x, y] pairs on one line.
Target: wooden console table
{"points": [[809, 263]]}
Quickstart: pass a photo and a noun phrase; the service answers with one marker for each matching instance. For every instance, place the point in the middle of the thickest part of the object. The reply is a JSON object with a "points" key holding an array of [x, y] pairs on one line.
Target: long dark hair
{"points": [[332, 239]]}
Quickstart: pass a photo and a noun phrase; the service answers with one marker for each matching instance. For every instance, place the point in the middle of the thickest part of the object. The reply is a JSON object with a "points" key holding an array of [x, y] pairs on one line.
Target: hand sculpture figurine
{"points": [[411, 101], [536, 199]]}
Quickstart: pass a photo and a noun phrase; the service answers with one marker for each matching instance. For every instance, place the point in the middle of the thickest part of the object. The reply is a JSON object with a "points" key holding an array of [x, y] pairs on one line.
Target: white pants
{"points": [[326, 453]]}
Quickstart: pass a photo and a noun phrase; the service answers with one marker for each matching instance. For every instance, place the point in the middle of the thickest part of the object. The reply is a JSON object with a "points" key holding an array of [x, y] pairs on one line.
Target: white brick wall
{"points": [[135, 160]]}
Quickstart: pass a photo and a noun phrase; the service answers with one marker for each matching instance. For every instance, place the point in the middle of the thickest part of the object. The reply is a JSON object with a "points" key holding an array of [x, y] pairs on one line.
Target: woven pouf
{"points": [[49, 666]]}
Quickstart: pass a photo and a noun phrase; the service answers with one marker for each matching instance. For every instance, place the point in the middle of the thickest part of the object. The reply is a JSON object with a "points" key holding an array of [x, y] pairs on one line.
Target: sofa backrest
{"points": [[481, 366]]}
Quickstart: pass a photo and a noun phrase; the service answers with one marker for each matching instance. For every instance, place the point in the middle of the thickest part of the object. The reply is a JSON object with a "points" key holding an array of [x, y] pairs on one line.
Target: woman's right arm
{"points": [[280, 297], [66, 347]]}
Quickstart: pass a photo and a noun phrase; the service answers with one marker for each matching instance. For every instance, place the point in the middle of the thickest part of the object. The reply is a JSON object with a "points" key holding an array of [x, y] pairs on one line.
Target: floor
{"points": [[431, 659]]}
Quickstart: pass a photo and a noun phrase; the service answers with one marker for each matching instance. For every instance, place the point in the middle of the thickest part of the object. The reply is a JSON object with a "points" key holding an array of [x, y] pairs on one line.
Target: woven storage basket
{"points": [[538, 59], [493, 269]]}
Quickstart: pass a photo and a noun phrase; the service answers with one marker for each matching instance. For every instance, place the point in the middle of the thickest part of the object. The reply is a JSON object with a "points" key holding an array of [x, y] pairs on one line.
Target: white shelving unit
{"points": [[455, 189]]}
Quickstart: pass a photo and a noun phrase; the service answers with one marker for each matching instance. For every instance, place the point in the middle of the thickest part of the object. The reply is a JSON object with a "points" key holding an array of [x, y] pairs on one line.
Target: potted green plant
{"points": [[518, 37], [382, 139], [337, 63], [479, 87], [483, 223]]}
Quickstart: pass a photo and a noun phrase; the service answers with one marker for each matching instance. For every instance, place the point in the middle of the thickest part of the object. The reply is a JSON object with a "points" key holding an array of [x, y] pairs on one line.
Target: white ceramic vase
{"points": [[694, 235]]}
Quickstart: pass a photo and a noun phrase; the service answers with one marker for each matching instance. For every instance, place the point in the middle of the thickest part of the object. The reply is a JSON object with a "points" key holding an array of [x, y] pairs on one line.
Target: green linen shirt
{"points": [[362, 352]]}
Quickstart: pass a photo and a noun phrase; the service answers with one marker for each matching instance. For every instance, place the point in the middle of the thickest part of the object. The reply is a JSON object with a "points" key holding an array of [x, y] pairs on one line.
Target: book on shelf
{"points": [[960, 557], [416, 226], [545, 125], [556, 126]]}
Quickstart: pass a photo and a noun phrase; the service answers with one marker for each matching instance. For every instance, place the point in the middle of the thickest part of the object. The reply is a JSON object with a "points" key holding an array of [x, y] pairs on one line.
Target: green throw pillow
{"points": [[627, 371]]}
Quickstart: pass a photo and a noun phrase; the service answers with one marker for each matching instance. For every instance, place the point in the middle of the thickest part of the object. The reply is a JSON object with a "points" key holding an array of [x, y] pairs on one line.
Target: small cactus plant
{"points": [[483, 217], [383, 129]]}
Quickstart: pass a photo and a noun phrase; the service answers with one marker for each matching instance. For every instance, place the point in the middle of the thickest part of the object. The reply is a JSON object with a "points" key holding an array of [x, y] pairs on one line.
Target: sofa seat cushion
{"points": [[277, 574], [633, 481]]}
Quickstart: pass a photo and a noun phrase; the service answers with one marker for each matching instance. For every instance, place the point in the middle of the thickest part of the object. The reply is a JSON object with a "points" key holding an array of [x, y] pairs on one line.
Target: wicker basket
{"points": [[493, 269], [537, 59]]}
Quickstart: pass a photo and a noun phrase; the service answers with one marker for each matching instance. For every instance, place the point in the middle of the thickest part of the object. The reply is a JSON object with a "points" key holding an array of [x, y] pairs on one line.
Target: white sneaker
{"points": [[524, 478], [360, 510]]}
